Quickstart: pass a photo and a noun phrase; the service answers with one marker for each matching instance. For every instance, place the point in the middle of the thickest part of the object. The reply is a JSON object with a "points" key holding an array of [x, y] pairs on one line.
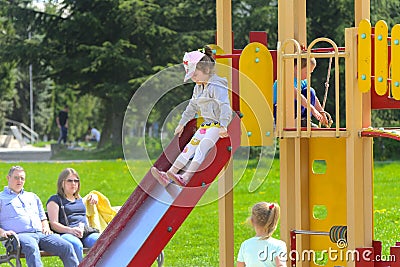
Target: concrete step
{"points": [[26, 153], [8, 141]]}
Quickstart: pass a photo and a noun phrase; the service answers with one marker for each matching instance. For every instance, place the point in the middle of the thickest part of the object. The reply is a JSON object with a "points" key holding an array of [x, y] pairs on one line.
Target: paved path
{"points": [[26, 153]]}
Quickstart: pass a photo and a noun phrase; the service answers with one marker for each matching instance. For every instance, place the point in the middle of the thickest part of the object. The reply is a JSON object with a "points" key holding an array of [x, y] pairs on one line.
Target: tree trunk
{"points": [[112, 130]]}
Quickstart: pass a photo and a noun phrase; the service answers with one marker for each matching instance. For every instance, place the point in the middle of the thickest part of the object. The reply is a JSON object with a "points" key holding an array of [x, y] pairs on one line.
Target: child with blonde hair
{"points": [[263, 250], [316, 107]]}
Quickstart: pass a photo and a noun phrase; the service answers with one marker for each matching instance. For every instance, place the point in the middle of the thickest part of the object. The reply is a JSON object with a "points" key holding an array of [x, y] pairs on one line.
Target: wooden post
{"points": [[225, 185], [225, 208], [300, 24], [286, 31], [293, 152], [359, 157], [362, 11]]}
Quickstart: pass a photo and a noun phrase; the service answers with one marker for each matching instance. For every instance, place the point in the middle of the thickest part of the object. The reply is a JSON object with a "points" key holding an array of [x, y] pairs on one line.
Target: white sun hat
{"points": [[190, 60]]}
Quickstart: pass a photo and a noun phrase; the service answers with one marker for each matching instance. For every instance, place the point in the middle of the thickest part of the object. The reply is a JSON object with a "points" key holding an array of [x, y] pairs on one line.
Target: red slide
{"points": [[393, 133], [152, 214]]}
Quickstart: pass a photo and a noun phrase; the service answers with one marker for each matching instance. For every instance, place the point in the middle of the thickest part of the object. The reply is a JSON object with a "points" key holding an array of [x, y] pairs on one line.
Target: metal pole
{"points": [[31, 96], [306, 232]]}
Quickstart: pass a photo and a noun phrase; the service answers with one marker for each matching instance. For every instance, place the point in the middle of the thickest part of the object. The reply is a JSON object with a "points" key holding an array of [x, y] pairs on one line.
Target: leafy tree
{"points": [[106, 48], [94, 54], [7, 81], [8, 74], [253, 15], [17, 47]]}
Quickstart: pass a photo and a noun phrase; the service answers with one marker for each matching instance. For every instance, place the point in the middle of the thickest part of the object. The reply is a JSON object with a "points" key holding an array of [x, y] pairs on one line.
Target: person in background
{"points": [[67, 212], [263, 250], [93, 135], [62, 124], [22, 214]]}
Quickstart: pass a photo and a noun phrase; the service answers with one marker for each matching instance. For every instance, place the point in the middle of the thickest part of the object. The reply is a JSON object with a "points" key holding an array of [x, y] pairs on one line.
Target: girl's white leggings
{"points": [[202, 141]]}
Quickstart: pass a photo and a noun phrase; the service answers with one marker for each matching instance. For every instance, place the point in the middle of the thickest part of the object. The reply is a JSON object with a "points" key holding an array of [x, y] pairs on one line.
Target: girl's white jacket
{"points": [[210, 102]]}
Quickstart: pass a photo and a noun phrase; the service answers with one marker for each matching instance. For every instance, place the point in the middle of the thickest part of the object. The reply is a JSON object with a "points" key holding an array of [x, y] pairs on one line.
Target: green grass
{"points": [[386, 203], [88, 151], [196, 243], [112, 178]]}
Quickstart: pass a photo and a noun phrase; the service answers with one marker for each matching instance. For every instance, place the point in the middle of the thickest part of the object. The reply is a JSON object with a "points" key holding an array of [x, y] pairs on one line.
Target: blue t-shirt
{"points": [[303, 86], [75, 211]]}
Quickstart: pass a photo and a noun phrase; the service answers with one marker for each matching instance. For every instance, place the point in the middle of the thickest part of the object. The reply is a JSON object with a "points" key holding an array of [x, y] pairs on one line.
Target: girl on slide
{"points": [[211, 100]]}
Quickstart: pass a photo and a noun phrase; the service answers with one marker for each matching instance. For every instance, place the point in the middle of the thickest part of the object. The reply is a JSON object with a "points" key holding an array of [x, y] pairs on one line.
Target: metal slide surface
{"points": [[152, 214]]}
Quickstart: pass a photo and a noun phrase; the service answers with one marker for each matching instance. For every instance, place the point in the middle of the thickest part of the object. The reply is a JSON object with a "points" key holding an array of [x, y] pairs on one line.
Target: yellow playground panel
{"points": [[255, 83], [327, 190], [381, 58], [396, 62], [364, 56]]}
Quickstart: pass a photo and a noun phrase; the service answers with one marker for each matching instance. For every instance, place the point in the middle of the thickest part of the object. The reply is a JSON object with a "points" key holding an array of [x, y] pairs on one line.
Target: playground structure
{"points": [[343, 190]]}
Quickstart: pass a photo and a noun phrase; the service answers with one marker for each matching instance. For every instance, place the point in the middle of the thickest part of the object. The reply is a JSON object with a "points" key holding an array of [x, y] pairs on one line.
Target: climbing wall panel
{"points": [[327, 191]]}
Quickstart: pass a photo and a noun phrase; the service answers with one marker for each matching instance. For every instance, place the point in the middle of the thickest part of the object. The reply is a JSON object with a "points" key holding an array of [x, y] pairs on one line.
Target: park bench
{"points": [[13, 252]]}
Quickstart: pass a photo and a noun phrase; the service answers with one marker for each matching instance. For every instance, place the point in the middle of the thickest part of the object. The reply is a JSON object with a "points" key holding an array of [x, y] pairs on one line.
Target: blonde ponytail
{"points": [[266, 215]]}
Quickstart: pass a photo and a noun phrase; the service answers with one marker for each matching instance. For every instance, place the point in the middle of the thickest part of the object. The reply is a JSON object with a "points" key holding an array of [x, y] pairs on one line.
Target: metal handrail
{"points": [[25, 130]]}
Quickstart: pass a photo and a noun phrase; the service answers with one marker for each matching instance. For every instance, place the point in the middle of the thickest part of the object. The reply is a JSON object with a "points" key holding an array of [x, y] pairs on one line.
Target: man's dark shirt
{"points": [[63, 116]]}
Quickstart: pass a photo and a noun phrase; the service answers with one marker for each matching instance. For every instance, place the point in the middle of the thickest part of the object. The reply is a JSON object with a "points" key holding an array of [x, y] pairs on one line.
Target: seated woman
{"points": [[67, 212]]}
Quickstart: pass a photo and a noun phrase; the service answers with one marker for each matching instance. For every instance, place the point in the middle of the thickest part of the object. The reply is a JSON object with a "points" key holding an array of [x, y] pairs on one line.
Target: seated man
{"points": [[93, 135], [22, 214]]}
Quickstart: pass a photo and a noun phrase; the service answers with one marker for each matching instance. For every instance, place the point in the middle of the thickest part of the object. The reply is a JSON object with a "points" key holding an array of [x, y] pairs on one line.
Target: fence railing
{"points": [[27, 133]]}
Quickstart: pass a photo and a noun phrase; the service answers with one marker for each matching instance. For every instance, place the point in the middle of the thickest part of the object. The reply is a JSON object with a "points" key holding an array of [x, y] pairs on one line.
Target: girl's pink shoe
{"points": [[176, 178], [160, 176]]}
